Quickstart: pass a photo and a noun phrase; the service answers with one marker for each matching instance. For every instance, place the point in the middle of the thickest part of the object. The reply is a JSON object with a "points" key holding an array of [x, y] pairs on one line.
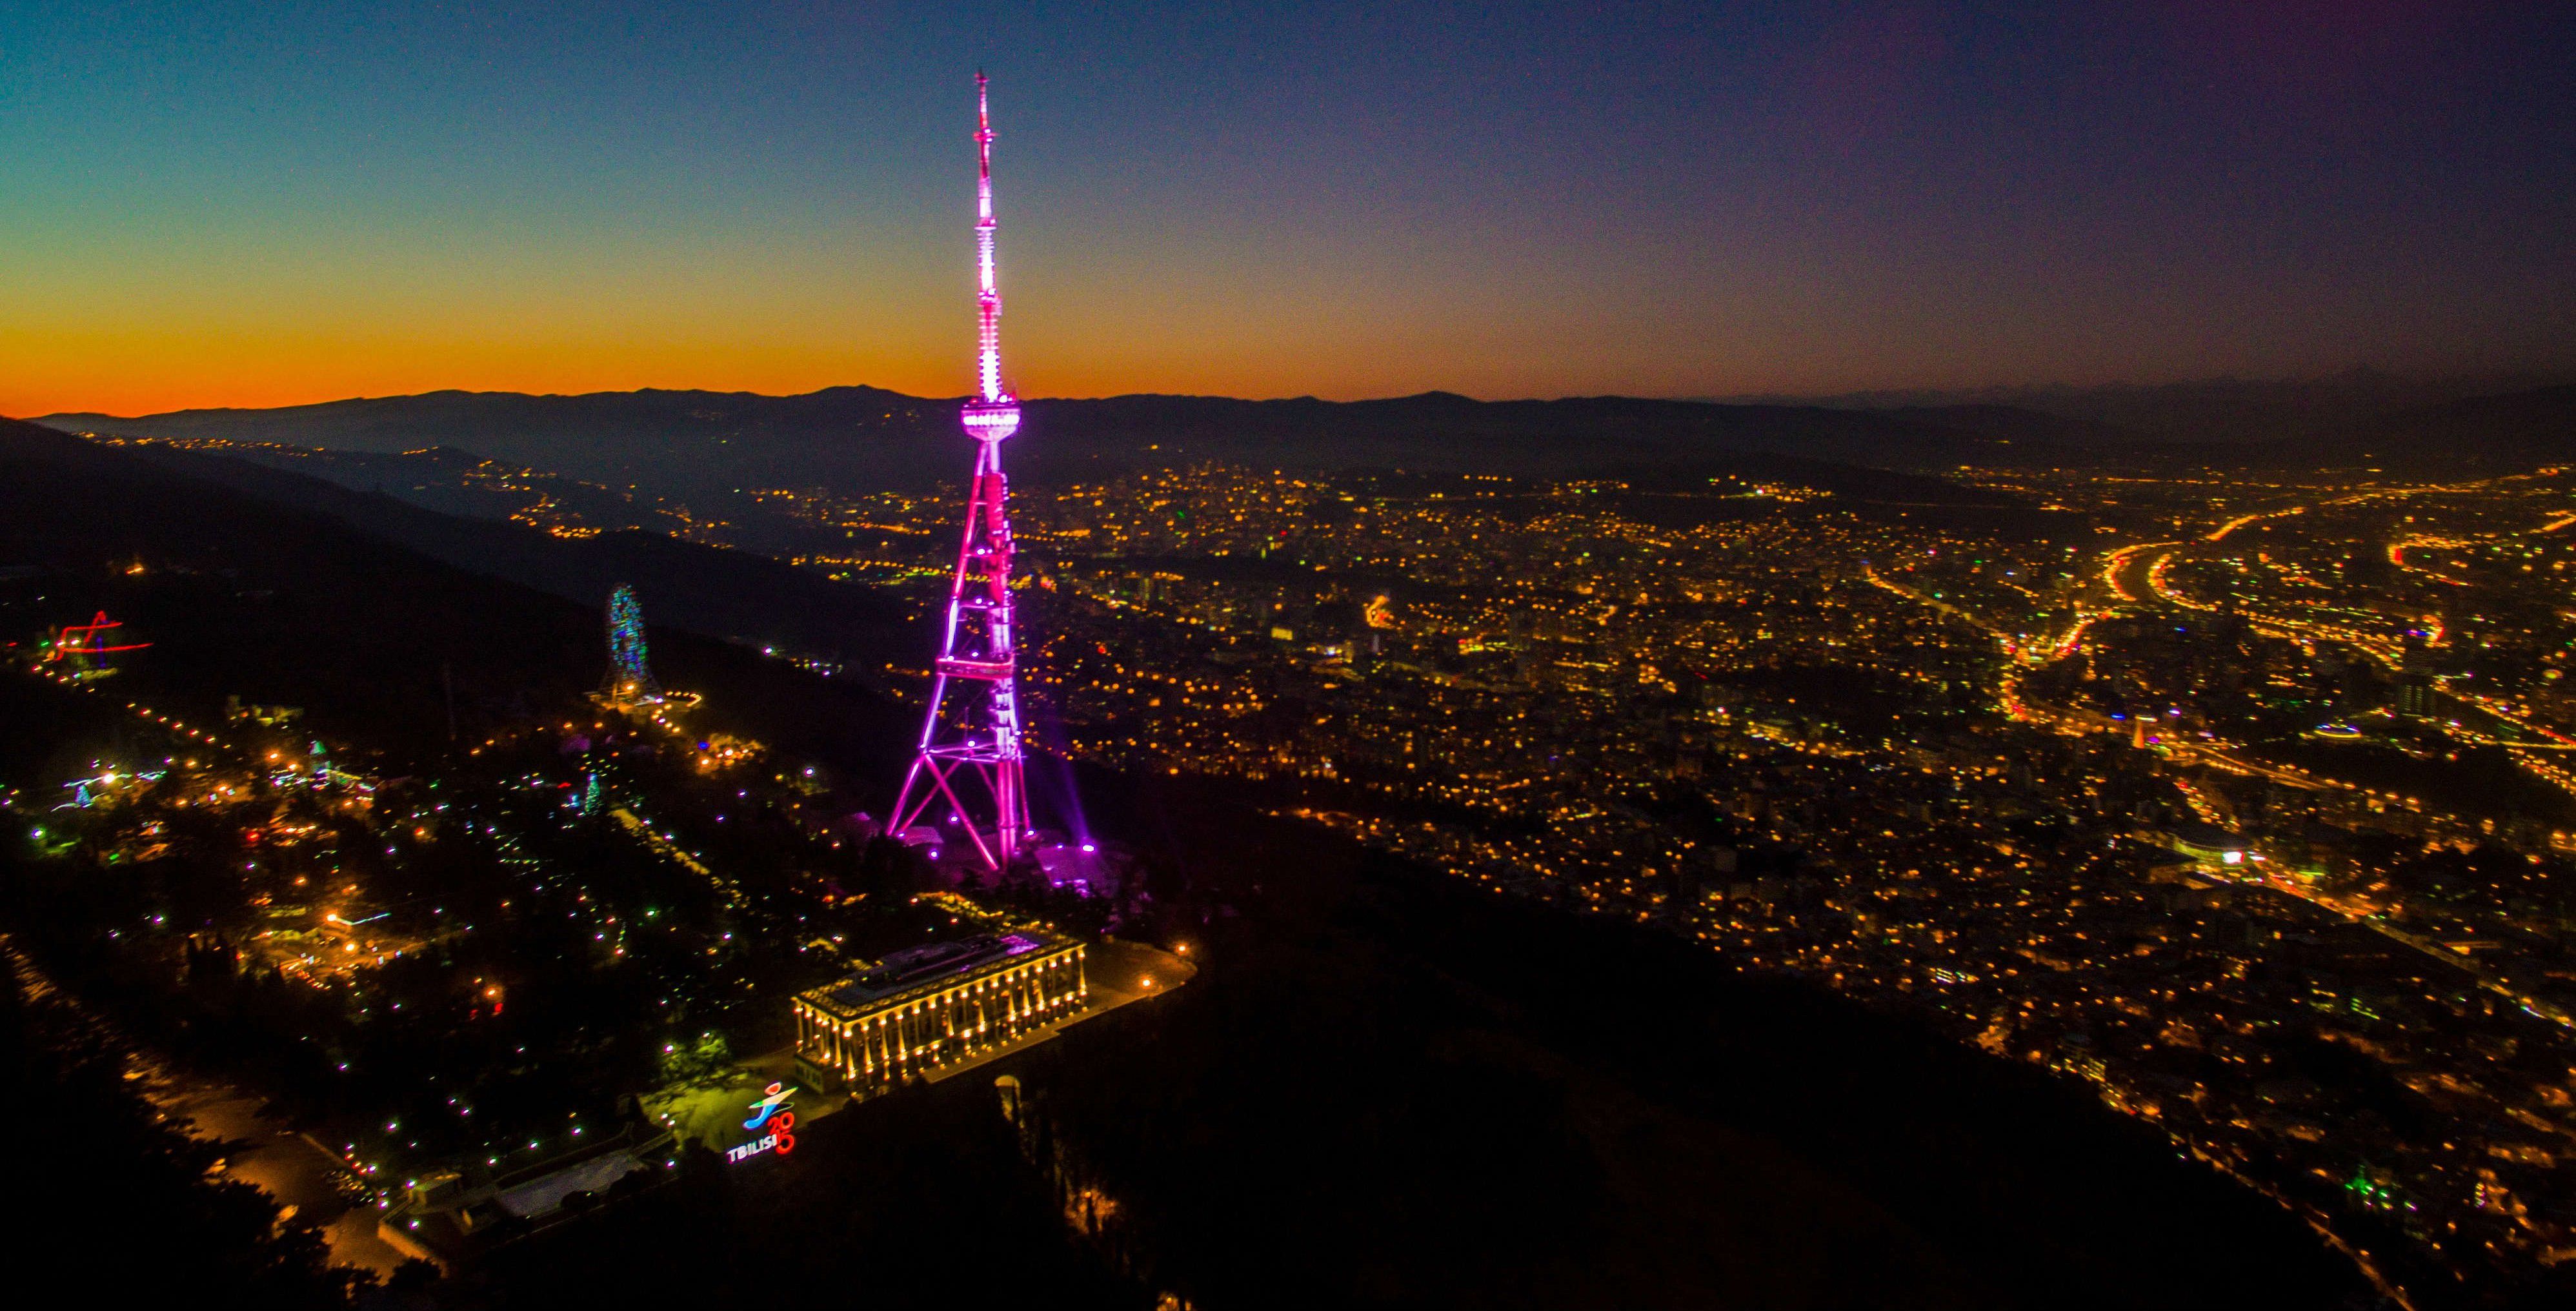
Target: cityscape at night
{"points": [[1124, 660]]}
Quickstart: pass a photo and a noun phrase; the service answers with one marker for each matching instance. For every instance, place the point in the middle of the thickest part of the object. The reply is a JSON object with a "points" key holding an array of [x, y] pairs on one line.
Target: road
{"points": [[259, 1150], [286, 1165]]}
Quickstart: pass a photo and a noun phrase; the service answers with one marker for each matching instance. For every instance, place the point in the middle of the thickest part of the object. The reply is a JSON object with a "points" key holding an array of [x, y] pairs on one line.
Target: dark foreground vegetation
{"points": [[112, 1199]]}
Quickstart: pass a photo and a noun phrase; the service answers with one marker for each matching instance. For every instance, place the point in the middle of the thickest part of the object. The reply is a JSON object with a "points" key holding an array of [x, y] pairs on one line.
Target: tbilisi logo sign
{"points": [[771, 1118]]}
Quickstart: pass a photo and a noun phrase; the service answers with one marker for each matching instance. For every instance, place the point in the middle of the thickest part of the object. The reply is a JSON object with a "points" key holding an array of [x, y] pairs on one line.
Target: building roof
{"points": [[928, 964], [2209, 836]]}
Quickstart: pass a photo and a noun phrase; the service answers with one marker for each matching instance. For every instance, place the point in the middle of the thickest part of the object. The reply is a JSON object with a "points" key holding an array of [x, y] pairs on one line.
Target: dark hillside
{"points": [[720, 593], [278, 603], [1385, 1089], [2483, 434], [2220, 412]]}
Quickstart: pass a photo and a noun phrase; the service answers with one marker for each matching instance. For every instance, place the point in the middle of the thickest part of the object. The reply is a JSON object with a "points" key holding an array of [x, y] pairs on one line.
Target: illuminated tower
{"points": [[630, 678], [974, 733]]}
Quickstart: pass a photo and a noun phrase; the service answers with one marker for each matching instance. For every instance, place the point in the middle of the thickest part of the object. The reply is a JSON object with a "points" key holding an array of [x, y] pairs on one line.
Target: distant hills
{"points": [[2486, 434], [686, 444], [2237, 411], [864, 439]]}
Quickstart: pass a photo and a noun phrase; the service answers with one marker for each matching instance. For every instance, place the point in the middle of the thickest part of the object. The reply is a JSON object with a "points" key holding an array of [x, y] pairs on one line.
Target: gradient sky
{"points": [[211, 203]]}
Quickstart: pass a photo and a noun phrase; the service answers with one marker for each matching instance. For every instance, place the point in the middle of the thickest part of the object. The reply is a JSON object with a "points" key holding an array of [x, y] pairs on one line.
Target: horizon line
{"points": [[1864, 397]]}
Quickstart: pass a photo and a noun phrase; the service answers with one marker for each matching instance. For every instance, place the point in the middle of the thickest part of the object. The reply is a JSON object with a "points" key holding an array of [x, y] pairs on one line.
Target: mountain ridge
{"points": [[870, 437], [858, 438]]}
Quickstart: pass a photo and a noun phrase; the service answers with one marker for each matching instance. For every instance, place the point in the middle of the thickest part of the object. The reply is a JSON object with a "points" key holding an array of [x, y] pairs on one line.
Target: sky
{"points": [[213, 203]]}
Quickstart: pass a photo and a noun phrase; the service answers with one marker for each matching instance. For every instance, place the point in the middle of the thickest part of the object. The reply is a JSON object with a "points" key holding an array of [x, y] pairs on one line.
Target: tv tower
{"points": [[980, 736]]}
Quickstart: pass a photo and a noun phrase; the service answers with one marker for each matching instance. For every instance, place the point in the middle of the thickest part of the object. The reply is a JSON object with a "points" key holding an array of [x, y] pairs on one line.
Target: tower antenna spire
{"points": [[988, 292], [971, 738]]}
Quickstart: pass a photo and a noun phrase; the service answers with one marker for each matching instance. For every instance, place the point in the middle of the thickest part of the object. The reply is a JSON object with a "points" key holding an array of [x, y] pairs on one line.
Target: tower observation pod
{"points": [[967, 770]]}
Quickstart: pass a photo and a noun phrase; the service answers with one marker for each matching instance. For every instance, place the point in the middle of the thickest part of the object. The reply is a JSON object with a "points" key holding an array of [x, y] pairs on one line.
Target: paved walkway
{"points": [[262, 1152], [284, 1164]]}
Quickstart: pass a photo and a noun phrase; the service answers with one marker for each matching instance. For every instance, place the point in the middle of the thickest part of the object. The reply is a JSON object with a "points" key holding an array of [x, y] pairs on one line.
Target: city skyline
{"points": [[252, 208], [1864, 653]]}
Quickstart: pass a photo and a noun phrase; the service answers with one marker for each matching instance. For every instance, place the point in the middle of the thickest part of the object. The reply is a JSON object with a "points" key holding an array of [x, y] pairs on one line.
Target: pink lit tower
{"points": [[971, 733]]}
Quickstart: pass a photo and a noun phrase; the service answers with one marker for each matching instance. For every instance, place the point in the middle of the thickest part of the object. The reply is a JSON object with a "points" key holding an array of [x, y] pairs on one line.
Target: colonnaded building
{"points": [[925, 1007]]}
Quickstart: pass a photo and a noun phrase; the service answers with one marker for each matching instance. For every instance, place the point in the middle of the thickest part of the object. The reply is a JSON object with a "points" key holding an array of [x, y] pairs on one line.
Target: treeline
{"points": [[114, 1198]]}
